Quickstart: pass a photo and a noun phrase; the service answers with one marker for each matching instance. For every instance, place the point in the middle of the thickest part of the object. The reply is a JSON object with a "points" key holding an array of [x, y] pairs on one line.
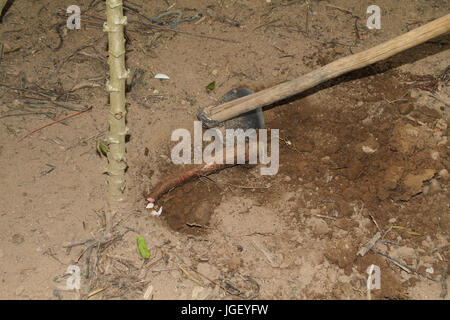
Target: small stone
{"points": [[367, 122], [319, 226], [214, 72], [441, 124], [17, 239], [434, 155], [444, 174], [326, 159], [435, 187], [367, 149]]}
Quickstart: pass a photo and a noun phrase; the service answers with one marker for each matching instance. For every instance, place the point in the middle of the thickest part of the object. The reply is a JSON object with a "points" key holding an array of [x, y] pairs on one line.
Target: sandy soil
{"points": [[362, 154]]}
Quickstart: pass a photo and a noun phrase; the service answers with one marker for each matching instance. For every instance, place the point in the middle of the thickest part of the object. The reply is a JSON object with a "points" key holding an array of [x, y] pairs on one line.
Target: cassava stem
{"points": [[116, 87]]}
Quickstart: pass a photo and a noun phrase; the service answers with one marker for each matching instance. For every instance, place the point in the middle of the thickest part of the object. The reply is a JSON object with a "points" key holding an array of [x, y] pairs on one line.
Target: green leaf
{"points": [[102, 148], [11, 130], [211, 86], [409, 230], [142, 246]]}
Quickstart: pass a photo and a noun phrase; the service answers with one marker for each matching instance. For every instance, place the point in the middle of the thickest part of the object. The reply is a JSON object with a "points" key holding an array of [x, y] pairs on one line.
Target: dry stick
{"points": [[402, 265], [52, 123]]}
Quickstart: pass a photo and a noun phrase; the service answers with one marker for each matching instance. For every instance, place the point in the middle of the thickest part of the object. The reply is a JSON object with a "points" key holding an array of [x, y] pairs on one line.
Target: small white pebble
{"points": [[157, 213], [368, 149], [444, 174], [434, 155], [162, 76]]}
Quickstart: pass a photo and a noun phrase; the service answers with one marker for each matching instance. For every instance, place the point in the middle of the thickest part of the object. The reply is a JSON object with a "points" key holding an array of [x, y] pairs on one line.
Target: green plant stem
{"points": [[117, 114]]}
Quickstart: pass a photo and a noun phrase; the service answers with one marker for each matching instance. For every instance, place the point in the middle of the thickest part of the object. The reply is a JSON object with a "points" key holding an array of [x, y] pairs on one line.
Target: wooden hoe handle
{"points": [[332, 70]]}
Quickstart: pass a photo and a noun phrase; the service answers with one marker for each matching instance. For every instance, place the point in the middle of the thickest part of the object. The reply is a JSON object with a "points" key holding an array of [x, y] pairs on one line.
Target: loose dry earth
{"points": [[361, 154]]}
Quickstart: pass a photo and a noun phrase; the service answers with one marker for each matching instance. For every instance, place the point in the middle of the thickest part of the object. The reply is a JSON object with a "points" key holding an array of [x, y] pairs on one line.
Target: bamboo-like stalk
{"points": [[116, 86]]}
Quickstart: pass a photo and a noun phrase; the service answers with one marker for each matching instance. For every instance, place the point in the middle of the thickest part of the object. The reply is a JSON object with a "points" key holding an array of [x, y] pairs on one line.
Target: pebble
{"points": [[441, 124], [444, 174], [368, 150], [392, 220], [17, 239], [319, 226], [367, 122], [434, 155], [434, 186]]}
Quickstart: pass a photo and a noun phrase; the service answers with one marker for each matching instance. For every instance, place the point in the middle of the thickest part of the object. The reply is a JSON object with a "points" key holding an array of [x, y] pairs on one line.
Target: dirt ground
{"points": [[363, 154]]}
